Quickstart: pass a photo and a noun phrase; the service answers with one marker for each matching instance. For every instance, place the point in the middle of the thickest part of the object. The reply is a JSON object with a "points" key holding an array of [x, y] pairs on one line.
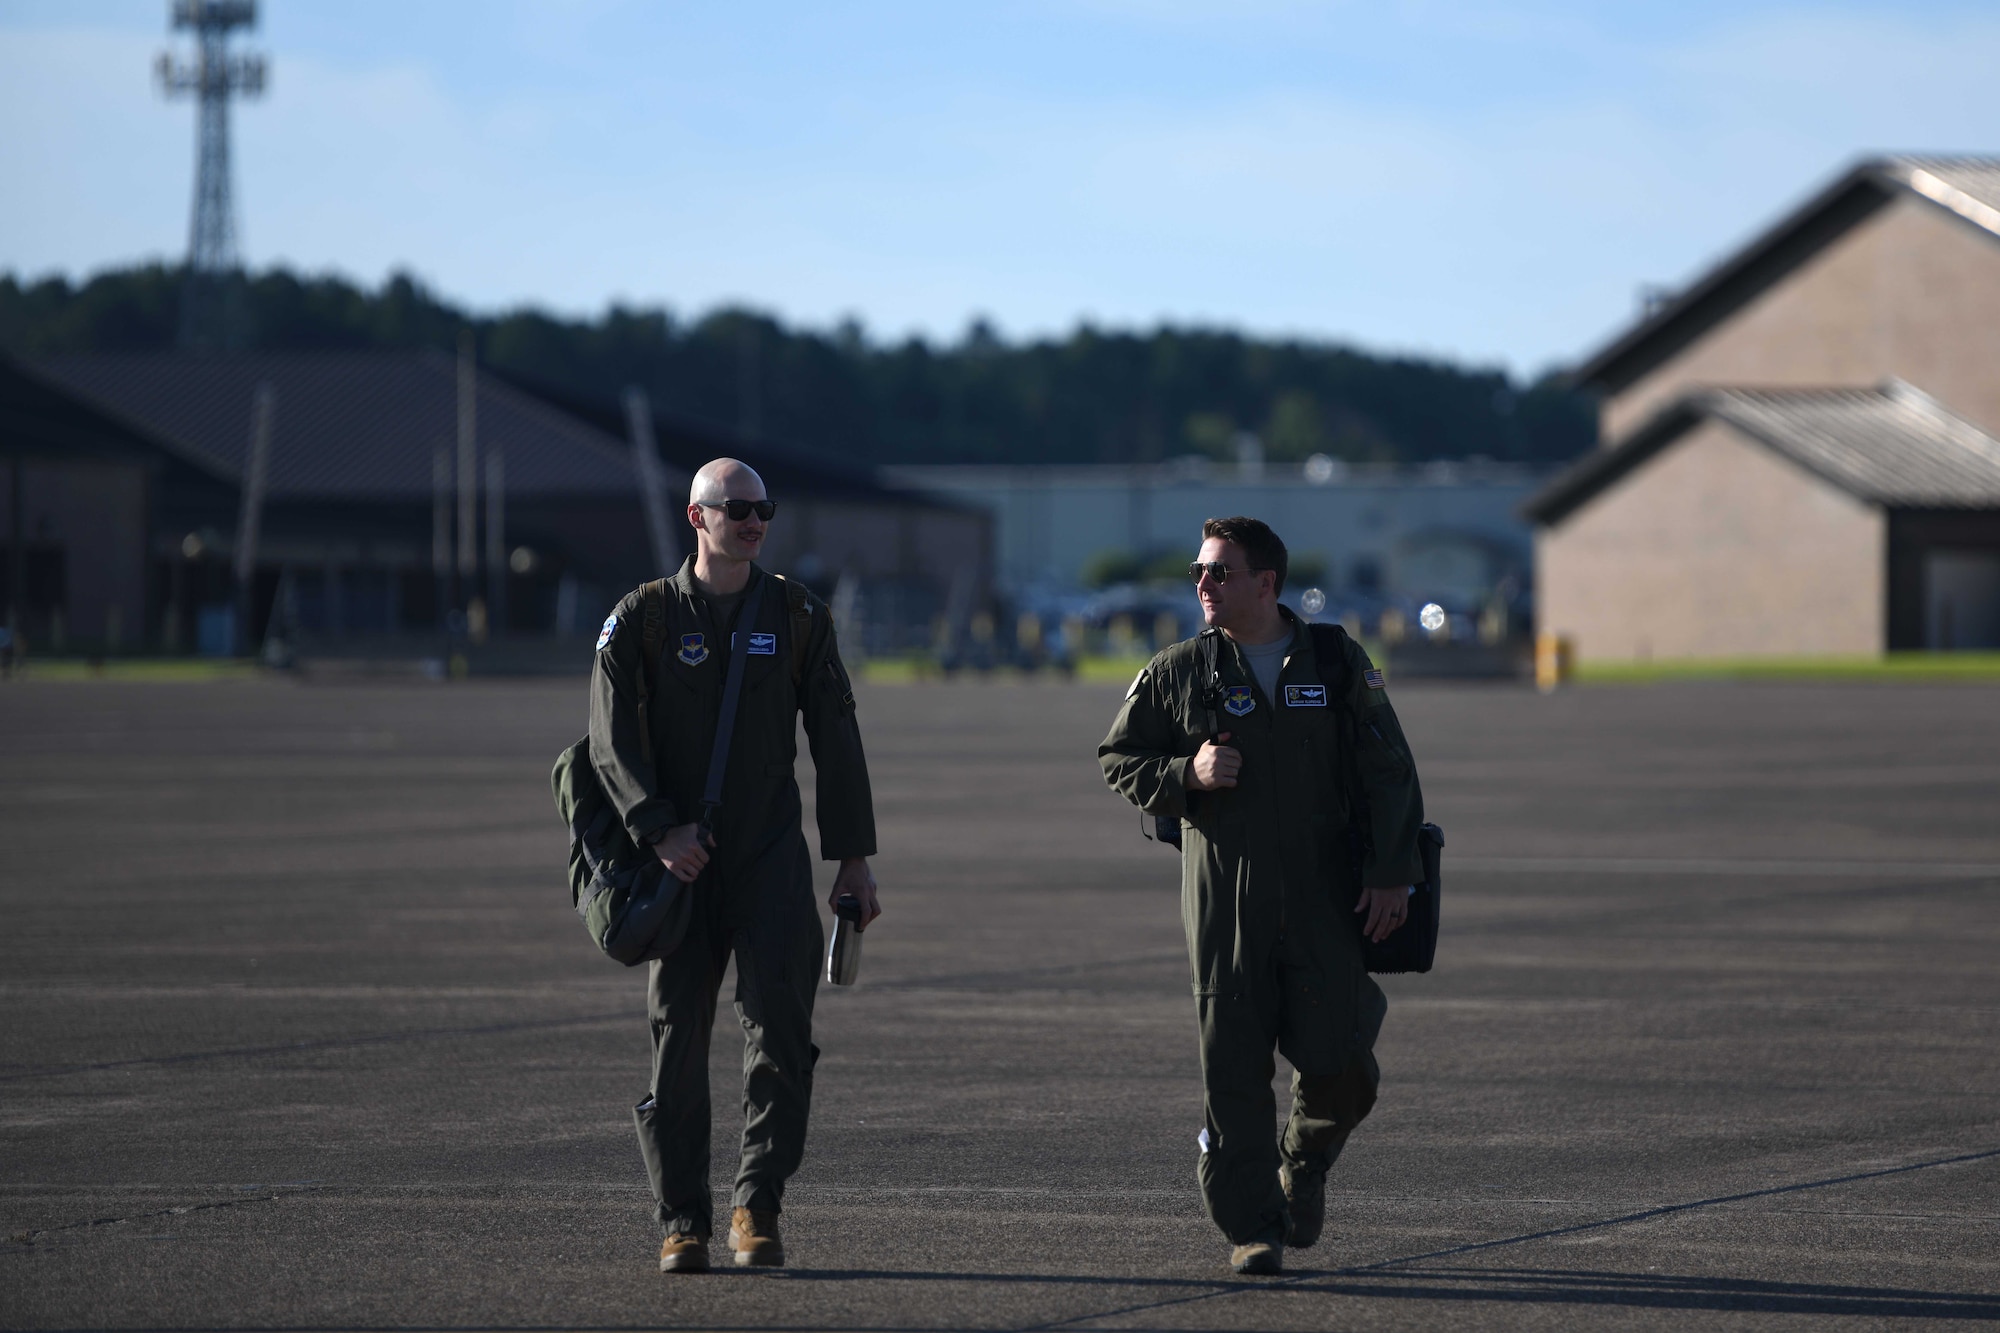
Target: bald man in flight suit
{"points": [[752, 878]]}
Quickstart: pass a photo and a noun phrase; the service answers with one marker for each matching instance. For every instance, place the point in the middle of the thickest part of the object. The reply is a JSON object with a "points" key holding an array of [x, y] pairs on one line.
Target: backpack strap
{"points": [[798, 605], [652, 640], [725, 722], [1211, 677]]}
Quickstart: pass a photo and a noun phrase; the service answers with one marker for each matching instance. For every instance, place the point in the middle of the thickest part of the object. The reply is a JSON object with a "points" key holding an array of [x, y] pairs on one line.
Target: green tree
{"points": [[1091, 396], [1296, 429], [1105, 568]]}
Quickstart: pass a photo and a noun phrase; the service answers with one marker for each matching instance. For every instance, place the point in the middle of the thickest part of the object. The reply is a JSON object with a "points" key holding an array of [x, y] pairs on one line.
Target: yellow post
{"points": [[1555, 660]]}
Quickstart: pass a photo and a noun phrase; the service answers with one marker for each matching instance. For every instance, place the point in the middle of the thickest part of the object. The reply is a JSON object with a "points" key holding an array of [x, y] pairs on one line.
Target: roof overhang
{"points": [[97, 429], [1580, 482], [1857, 194], [1892, 446]]}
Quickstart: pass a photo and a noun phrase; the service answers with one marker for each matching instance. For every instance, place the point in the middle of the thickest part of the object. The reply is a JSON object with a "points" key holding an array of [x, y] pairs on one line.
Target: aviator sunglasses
{"points": [[1215, 569], [738, 510]]}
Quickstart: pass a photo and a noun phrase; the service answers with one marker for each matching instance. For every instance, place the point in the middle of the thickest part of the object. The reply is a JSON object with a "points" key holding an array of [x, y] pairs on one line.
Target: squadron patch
{"points": [[694, 650], [1238, 700], [1373, 677], [610, 628], [763, 645], [1305, 696]]}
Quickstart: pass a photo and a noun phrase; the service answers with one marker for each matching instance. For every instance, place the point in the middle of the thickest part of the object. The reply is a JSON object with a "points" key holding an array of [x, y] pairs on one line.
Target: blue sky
{"points": [[1487, 182]]}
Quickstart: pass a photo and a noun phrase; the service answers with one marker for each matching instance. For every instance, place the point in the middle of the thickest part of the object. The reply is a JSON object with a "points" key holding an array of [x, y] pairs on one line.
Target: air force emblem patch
{"points": [[1305, 696], [1238, 700], [610, 628], [1373, 677], [694, 651], [763, 645]]}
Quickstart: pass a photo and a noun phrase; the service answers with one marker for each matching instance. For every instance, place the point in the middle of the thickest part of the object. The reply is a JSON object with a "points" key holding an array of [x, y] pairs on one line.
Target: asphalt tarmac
{"points": [[300, 1032]]}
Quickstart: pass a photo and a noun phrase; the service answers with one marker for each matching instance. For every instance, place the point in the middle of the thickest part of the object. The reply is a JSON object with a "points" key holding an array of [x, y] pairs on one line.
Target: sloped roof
{"points": [[42, 415], [787, 469], [347, 425], [1893, 446], [1966, 186]]}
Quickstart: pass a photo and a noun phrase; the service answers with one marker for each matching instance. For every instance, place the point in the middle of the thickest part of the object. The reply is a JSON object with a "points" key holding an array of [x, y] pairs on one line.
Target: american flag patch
{"points": [[1374, 678]]}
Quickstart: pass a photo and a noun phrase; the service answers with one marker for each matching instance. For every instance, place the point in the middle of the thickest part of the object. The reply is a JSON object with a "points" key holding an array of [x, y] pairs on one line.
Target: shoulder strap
{"points": [[1330, 646], [1211, 678], [732, 695], [652, 638], [799, 606]]}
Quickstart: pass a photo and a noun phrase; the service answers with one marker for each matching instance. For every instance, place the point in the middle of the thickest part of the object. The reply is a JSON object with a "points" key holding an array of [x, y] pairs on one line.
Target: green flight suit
{"points": [[1267, 899], [755, 898]]}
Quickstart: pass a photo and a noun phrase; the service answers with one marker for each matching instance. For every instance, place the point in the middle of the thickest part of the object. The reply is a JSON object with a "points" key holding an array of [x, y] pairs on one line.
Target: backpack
{"points": [[631, 907]]}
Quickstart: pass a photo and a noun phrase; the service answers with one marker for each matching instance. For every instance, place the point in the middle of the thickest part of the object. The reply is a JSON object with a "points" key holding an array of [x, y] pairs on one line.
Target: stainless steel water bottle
{"points": [[843, 955]]}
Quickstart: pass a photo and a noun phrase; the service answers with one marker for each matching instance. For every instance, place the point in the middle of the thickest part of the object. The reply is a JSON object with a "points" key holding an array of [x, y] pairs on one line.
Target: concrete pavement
{"points": [[301, 1033]]}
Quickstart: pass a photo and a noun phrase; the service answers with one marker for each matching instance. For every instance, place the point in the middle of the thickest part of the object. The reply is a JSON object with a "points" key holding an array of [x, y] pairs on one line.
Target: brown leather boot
{"points": [[754, 1237], [684, 1252]]}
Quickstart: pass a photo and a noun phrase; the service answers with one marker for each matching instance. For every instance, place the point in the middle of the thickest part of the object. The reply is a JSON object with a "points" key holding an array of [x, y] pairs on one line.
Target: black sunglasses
{"points": [[1216, 570], [738, 510]]}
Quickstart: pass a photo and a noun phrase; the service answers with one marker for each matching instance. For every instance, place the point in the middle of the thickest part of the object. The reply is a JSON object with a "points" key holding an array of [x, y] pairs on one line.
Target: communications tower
{"points": [[210, 305]]}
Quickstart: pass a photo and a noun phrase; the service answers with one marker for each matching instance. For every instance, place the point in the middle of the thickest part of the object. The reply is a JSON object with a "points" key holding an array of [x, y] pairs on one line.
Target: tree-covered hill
{"points": [[1093, 396]]}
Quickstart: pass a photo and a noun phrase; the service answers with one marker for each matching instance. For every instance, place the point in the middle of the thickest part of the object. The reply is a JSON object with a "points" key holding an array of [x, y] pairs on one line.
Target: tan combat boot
{"points": [[1305, 1205], [684, 1252], [1258, 1257], [754, 1237]]}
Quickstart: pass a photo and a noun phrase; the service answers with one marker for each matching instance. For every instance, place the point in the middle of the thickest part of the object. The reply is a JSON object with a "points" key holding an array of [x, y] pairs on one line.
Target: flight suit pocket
{"points": [[1210, 887], [843, 686], [1382, 752]]}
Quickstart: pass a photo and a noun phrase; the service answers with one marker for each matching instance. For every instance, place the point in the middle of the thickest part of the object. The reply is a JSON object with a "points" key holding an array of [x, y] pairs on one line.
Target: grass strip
{"points": [[1888, 668], [176, 670]]}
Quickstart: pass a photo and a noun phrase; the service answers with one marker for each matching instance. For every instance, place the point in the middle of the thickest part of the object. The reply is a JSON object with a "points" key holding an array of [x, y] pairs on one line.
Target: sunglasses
{"points": [[738, 510], [1215, 570]]}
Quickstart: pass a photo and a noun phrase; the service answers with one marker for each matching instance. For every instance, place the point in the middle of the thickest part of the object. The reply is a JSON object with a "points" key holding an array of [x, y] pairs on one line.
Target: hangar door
{"points": [[1961, 599]]}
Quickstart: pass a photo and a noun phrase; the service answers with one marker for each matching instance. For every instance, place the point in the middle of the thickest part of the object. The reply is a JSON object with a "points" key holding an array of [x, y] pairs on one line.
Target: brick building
{"points": [[1797, 452]]}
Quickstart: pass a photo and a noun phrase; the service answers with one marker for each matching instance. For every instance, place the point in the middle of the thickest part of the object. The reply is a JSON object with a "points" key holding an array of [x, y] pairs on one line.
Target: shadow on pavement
{"points": [[1539, 1286], [1661, 1291]]}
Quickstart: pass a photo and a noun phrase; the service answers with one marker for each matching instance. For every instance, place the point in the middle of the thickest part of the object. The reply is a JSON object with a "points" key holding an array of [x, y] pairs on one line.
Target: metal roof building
{"points": [[1798, 450], [361, 517], [1894, 446]]}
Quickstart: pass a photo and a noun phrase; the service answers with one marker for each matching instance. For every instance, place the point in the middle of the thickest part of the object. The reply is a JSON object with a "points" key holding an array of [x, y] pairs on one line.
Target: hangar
{"points": [[87, 496], [1797, 452], [126, 473], [360, 496]]}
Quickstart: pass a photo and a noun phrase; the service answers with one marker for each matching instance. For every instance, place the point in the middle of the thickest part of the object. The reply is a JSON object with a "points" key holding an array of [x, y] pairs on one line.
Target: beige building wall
{"points": [[1912, 292], [1716, 547]]}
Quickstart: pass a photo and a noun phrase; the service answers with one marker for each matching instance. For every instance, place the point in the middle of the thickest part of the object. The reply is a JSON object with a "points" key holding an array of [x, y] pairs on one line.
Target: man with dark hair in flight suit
{"points": [[1268, 895], [752, 877]]}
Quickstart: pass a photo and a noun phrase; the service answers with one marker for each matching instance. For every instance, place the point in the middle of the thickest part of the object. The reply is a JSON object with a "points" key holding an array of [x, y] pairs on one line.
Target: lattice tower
{"points": [[211, 315]]}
